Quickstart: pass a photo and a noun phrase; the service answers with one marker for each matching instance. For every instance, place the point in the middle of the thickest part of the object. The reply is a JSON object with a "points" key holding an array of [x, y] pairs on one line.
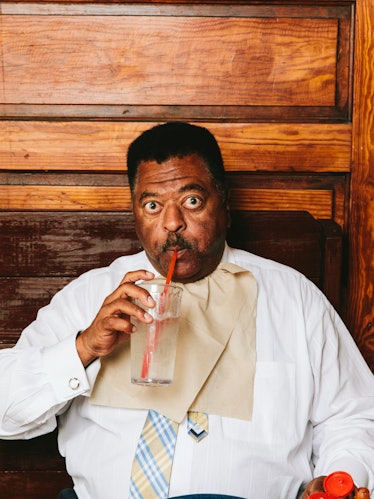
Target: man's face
{"points": [[177, 207]]}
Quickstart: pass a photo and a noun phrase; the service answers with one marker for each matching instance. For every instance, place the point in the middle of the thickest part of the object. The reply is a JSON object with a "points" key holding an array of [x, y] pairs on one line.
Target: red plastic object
{"points": [[321, 495], [339, 484]]}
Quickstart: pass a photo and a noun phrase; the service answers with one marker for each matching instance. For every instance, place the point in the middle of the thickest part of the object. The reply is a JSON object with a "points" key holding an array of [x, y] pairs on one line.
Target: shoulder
{"points": [[108, 278]]}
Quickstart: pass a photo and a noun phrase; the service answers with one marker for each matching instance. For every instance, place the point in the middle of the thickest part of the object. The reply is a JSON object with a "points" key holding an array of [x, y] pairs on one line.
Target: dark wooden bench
{"points": [[42, 251]]}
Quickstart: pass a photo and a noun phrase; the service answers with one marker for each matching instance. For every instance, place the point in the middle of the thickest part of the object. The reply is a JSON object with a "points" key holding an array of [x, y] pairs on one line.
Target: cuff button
{"points": [[74, 383]]}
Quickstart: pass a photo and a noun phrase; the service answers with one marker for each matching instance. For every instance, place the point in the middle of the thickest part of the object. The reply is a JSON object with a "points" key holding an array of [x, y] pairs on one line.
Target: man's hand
{"points": [[316, 485], [112, 324]]}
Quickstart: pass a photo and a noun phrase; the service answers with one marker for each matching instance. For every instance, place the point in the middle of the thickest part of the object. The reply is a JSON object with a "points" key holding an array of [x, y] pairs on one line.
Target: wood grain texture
{"points": [[324, 196], [69, 197], [43, 251], [318, 203], [26, 455], [32, 468], [360, 312], [167, 60], [60, 244], [102, 146], [33, 484], [228, 62], [272, 8]]}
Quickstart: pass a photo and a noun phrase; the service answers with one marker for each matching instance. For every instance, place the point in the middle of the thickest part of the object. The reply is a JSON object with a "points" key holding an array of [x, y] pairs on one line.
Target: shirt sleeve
{"points": [[39, 386], [343, 406], [43, 372]]}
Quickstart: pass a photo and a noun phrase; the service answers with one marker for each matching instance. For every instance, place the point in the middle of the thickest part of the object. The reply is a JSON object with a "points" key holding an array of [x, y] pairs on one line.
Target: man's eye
{"points": [[152, 207], [193, 202]]}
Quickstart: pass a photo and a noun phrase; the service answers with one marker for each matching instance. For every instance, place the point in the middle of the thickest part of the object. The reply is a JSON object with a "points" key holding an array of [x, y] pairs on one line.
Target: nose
{"points": [[173, 220]]}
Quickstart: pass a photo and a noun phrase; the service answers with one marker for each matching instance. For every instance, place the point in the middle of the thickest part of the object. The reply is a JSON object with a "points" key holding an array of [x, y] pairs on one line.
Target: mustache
{"points": [[176, 240]]}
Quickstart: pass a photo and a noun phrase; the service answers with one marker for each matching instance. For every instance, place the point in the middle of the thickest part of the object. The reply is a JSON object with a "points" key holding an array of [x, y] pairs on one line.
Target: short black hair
{"points": [[177, 139]]}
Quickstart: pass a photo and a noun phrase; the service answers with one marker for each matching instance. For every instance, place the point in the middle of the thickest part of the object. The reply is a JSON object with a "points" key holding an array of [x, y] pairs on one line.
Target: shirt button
{"points": [[74, 383]]}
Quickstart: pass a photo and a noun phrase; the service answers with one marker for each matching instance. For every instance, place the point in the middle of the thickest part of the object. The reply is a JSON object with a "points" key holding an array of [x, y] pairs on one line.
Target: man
{"points": [[308, 411]]}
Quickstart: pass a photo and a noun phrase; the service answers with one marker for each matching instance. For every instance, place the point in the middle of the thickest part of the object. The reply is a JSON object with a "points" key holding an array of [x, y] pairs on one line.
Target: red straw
{"points": [[153, 342], [171, 269]]}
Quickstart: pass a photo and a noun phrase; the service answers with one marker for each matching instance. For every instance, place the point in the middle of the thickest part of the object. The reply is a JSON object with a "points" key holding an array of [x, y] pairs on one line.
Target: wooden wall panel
{"points": [[317, 202], [127, 60], [74, 98], [87, 145], [214, 60], [360, 303], [325, 202]]}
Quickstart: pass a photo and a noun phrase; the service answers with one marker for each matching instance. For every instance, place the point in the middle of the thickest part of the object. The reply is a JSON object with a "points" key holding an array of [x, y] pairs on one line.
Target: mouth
{"points": [[179, 250], [178, 244]]}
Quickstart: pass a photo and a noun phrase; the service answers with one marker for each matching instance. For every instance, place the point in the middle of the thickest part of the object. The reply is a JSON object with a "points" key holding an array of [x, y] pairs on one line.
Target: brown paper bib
{"points": [[216, 354]]}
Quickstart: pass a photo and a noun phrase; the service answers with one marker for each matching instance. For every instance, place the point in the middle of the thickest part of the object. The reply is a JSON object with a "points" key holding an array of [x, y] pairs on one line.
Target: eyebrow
{"points": [[147, 195], [185, 188]]}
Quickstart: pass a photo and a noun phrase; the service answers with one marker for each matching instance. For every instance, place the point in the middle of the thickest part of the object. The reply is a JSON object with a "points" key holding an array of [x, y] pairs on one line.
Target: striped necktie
{"points": [[151, 469]]}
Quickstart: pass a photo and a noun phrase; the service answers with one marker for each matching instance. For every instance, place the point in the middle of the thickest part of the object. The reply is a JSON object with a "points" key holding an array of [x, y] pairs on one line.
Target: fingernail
{"points": [[150, 300], [149, 274], [147, 316]]}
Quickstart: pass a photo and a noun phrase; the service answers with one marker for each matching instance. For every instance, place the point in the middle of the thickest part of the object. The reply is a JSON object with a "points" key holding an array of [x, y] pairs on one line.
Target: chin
{"points": [[186, 277], [183, 277]]}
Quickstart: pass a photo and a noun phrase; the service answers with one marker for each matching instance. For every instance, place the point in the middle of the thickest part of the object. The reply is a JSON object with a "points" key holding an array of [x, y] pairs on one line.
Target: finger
{"points": [[132, 291], [137, 275], [127, 289], [118, 325], [125, 309], [315, 485], [130, 278]]}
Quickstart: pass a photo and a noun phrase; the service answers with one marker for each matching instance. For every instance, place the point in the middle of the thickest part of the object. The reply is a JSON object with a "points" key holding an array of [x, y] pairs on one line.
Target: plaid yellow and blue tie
{"points": [[151, 469]]}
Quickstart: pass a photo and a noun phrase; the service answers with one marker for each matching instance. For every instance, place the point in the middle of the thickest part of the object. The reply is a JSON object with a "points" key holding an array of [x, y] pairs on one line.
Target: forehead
{"points": [[172, 173]]}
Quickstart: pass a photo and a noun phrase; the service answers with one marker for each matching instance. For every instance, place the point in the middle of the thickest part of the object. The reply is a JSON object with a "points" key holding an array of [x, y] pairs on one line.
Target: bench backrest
{"points": [[43, 251]]}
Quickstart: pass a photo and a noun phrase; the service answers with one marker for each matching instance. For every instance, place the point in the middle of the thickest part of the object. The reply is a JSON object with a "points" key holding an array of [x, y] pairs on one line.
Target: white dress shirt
{"points": [[313, 396]]}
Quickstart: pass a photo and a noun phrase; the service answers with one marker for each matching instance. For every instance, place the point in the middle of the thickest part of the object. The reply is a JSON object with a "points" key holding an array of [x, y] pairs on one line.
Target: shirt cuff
{"points": [[64, 370], [352, 466]]}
